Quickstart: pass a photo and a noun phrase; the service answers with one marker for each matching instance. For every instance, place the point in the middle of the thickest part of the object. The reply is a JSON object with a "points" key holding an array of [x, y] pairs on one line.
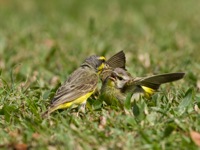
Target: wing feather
{"points": [[155, 81], [78, 84], [117, 61]]}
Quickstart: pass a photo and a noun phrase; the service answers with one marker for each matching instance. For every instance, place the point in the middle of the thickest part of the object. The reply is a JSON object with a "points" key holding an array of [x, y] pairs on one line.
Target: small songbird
{"points": [[118, 60], [79, 86], [120, 83]]}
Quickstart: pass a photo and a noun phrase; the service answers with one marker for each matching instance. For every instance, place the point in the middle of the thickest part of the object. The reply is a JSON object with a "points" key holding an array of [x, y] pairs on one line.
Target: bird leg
{"points": [[81, 109]]}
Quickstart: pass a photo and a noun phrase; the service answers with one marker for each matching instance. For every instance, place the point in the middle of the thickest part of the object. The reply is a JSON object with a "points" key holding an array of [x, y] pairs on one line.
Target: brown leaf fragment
{"points": [[195, 136], [21, 146], [198, 85], [36, 135], [102, 122]]}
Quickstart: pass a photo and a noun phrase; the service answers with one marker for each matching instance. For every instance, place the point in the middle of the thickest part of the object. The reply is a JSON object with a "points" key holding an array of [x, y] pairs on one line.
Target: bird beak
{"points": [[113, 76]]}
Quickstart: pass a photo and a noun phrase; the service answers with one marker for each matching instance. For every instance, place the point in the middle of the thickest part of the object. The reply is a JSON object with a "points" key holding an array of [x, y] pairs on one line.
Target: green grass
{"points": [[41, 43]]}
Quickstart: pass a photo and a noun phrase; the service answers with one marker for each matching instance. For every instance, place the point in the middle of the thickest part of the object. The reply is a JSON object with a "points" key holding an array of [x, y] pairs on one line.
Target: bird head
{"points": [[95, 62], [119, 77]]}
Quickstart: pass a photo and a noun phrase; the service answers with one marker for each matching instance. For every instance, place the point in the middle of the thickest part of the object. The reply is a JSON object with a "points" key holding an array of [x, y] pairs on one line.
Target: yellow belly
{"points": [[77, 101]]}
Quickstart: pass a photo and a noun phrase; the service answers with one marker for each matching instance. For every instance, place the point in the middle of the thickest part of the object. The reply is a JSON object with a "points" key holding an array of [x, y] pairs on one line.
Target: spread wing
{"points": [[79, 83], [155, 81], [117, 61]]}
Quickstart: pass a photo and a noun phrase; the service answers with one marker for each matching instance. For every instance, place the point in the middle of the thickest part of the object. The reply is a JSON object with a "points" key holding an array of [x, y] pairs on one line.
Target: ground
{"points": [[42, 42]]}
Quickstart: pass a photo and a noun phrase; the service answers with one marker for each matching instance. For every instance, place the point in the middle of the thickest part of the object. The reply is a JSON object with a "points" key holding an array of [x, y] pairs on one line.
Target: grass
{"points": [[41, 43]]}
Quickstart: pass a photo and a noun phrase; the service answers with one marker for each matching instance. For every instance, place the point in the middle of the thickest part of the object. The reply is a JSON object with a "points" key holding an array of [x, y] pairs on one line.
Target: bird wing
{"points": [[155, 81], [117, 61], [78, 84]]}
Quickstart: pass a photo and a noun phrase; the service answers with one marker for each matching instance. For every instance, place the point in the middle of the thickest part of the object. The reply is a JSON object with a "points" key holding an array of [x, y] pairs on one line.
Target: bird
{"points": [[118, 60], [116, 87], [79, 86]]}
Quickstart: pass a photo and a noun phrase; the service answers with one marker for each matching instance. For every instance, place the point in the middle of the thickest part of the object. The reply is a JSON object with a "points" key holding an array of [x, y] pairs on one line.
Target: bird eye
{"points": [[120, 78]]}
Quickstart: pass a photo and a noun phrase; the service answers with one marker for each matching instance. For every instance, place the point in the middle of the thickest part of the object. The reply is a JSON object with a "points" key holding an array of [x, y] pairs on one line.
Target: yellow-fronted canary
{"points": [[79, 86]]}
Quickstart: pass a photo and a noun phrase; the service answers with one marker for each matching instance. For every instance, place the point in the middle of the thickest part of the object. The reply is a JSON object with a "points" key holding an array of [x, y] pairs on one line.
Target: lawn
{"points": [[42, 42]]}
